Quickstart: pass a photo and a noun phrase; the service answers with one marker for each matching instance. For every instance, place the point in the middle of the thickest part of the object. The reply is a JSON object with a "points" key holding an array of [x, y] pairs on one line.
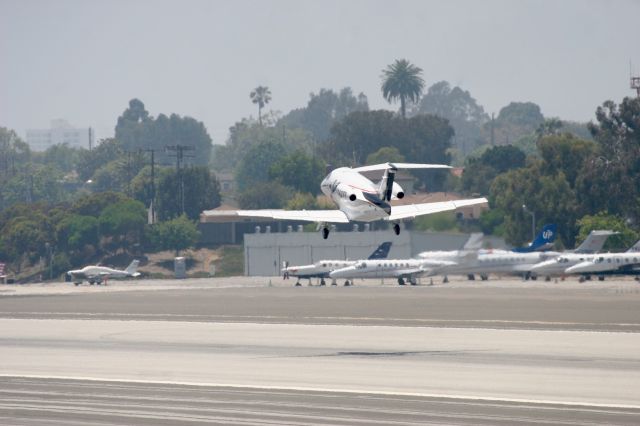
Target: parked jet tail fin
{"points": [[635, 247], [133, 267], [594, 241], [474, 242], [381, 252], [542, 241]]}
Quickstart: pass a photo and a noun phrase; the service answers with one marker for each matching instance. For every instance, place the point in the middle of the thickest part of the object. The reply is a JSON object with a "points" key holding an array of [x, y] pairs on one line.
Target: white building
{"points": [[60, 132]]}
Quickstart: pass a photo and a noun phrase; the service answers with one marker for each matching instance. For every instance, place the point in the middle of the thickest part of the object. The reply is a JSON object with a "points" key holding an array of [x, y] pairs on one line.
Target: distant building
{"points": [[60, 132]]}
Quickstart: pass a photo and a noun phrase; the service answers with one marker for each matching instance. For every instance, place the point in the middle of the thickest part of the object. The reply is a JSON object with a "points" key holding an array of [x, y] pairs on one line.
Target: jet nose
{"points": [[341, 273]]}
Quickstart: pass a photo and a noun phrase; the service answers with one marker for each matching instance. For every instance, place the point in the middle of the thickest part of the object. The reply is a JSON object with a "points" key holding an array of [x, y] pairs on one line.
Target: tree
{"points": [[137, 130], [246, 134], [422, 138], [35, 183], [62, 157], [401, 80], [549, 196], [620, 242], [463, 112], [565, 153], [94, 204], [175, 234], [516, 120], [299, 171], [261, 95], [385, 154], [106, 151], [323, 110], [610, 178], [255, 165], [75, 232], [480, 172], [265, 195], [122, 224], [199, 187]]}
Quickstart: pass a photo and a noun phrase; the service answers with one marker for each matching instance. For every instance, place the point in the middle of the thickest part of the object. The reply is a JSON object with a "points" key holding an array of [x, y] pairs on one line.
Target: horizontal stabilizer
{"points": [[386, 166], [329, 216], [414, 210]]}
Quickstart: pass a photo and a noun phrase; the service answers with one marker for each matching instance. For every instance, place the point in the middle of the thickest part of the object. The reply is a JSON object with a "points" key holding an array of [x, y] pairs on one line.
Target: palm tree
{"points": [[261, 95], [402, 80]]}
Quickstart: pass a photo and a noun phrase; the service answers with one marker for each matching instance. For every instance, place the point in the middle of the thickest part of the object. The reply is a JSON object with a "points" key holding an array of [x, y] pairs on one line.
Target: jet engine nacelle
{"points": [[397, 192], [346, 192]]}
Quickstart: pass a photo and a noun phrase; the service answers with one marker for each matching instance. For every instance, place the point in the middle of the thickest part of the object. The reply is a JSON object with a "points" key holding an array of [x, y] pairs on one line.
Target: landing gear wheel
{"points": [[347, 283], [297, 284], [445, 280], [401, 281], [396, 228], [601, 278], [413, 282], [471, 277], [484, 277], [582, 279], [325, 232], [322, 282]]}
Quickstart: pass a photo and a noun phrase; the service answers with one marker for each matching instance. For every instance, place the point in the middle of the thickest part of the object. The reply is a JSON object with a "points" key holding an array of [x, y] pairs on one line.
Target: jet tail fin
{"points": [[635, 247], [594, 241], [133, 268], [474, 242], [545, 237], [382, 251], [386, 184]]}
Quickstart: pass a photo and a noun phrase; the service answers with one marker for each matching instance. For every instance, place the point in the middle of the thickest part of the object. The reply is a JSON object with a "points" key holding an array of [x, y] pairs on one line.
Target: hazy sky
{"points": [[84, 60]]}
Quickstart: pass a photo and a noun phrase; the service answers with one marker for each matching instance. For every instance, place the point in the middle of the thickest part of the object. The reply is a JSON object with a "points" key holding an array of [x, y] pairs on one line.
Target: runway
{"points": [[276, 355]]}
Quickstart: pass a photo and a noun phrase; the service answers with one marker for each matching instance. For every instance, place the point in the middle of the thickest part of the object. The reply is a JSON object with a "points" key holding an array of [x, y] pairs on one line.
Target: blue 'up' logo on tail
{"points": [[542, 241], [381, 252]]}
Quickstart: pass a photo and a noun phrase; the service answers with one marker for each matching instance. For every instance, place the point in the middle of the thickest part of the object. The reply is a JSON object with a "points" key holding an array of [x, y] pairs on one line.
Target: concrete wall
{"points": [[265, 253]]}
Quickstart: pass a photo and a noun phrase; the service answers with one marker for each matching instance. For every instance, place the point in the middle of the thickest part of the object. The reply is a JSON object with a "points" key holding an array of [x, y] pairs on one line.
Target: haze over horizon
{"points": [[83, 61]]}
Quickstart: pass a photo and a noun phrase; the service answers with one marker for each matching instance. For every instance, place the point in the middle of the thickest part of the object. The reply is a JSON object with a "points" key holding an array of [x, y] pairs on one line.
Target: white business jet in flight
{"points": [[359, 199]]}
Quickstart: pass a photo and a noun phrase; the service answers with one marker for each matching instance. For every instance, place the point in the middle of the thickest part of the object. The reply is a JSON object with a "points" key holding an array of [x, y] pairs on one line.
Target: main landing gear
{"points": [[396, 228], [325, 232]]}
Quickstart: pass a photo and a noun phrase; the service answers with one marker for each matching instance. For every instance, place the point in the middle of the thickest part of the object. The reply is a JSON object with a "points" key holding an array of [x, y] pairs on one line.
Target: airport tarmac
{"points": [[241, 351]]}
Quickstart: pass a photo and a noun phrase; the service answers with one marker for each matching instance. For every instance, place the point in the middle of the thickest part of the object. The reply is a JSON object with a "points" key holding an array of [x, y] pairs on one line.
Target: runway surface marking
{"points": [[288, 319], [564, 367], [564, 404]]}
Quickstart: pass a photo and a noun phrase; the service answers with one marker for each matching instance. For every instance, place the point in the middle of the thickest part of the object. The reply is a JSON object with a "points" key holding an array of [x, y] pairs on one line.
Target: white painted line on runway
{"points": [[327, 390], [142, 317]]}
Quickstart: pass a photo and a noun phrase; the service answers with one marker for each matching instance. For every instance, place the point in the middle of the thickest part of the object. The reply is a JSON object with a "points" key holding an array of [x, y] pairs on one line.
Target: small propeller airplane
{"points": [[95, 274], [359, 199]]}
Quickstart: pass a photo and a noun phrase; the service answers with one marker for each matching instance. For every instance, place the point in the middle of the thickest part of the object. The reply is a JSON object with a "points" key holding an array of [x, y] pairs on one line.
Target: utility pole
{"points": [[90, 139], [153, 185], [533, 221], [493, 142], [180, 155], [635, 81]]}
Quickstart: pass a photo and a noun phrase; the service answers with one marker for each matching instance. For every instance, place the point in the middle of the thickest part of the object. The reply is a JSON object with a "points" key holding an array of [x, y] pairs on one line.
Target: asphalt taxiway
{"points": [[257, 351]]}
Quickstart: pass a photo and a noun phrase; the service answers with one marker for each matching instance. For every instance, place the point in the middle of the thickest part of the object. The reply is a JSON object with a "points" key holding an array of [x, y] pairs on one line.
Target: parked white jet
{"points": [[409, 269], [98, 274], [359, 199], [627, 263], [322, 268], [585, 251]]}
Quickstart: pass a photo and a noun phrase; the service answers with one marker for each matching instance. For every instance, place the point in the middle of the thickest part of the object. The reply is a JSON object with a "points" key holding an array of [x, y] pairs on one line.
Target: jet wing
{"points": [[330, 216], [413, 210], [386, 166]]}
